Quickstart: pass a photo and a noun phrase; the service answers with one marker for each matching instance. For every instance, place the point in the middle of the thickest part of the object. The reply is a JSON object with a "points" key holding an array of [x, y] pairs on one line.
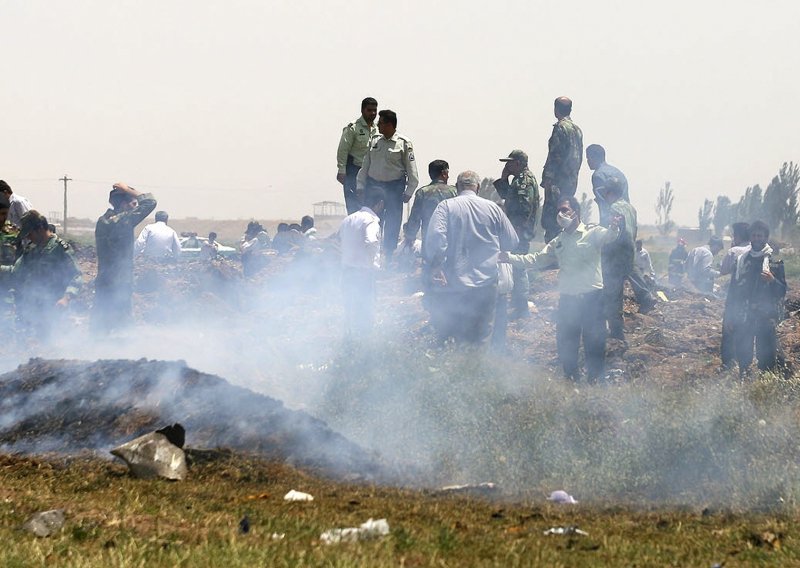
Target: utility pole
{"points": [[65, 179]]}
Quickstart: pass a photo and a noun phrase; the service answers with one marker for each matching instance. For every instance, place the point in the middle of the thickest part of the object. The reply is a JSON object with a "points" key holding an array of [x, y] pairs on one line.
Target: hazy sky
{"points": [[234, 109]]}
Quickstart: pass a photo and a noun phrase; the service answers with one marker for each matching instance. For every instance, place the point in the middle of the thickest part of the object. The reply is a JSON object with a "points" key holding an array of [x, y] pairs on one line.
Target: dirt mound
{"points": [[69, 406]]}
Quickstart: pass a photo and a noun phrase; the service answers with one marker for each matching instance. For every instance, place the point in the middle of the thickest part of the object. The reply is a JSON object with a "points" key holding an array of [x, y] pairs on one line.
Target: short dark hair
{"points": [[597, 151], [373, 196], [573, 203], [282, 227], [436, 167], [759, 226], [563, 105], [162, 216], [4, 187], [212, 236], [368, 101], [741, 231], [307, 221], [389, 116]]}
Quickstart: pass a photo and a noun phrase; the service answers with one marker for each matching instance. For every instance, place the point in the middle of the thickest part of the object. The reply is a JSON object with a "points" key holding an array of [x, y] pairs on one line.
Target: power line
{"points": [[65, 179]]}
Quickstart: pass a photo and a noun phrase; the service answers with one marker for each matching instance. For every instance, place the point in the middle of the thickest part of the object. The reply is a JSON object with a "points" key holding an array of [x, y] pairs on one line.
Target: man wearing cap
{"points": [[114, 240], [45, 278], [158, 241], [699, 267], [462, 244], [520, 202], [564, 157], [390, 165], [18, 205], [353, 146]]}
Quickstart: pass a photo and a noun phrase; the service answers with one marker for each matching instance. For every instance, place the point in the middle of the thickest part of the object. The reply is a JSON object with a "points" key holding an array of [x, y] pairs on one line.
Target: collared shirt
{"points": [[158, 241], [360, 235], [645, 263], [354, 142], [600, 178], [577, 255], [699, 268], [17, 207], [464, 237], [43, 274], [564, 156], [425, 201], [390, 159], [730, 258]]}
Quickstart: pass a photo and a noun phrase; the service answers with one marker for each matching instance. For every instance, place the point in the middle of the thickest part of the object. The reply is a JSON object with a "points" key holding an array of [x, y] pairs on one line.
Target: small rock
{"points": [[152, 455], [297, 496], [561, 496], [45, 523], [244, 525]]}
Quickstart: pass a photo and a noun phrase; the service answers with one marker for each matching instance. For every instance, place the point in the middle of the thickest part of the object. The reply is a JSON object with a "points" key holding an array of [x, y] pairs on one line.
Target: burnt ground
{"points": [[71, 406]]}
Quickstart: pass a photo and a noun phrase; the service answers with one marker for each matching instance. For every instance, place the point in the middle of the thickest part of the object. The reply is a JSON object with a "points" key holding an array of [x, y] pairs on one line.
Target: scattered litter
{"points": [[614, 375], [562, 496], [258, 496], [297, 496], [482, 488], [45, 523], [153, 455], [369, 529], [277, 536], [417, 294], [566, 531], [662, 296], [244, 525]]}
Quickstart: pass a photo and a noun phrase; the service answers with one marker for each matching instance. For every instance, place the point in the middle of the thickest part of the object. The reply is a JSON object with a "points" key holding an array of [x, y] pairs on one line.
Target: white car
{"points": [[191, 247]]}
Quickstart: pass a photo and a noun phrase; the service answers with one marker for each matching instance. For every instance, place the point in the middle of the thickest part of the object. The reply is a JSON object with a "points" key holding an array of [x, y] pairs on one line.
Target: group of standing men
{"points": [[465, 237]]}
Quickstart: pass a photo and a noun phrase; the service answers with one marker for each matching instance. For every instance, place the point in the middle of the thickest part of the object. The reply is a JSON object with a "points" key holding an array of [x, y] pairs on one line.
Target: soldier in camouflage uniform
{"points": [[520, 201], [564, 157], [45, 278], [425, 201], [114, 239], [8, 235]]}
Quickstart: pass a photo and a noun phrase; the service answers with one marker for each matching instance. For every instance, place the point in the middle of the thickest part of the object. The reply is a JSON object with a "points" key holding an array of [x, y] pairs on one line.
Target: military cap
{"points": [[516, 156]]}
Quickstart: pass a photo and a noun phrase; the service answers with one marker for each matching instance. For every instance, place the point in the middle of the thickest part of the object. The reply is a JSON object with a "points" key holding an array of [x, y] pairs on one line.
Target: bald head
{"points": [[468, 180], [562, 107]]}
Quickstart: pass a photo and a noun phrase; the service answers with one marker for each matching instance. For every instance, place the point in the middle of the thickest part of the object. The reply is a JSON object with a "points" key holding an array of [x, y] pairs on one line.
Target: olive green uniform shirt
{"points": [[425, 201], [390, 159], [8, 244], [564, 156], [577, 255], [354, 142]]}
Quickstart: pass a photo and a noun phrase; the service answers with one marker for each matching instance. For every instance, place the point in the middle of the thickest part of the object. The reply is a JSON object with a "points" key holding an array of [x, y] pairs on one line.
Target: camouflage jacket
{"points": [[564, 157], [8, 244], [425, 201], [113, 235], [521, 198], [43, 274]]}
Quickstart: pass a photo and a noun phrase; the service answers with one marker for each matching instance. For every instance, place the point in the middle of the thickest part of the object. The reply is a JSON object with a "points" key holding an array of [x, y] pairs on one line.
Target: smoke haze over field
{"points": [[234, 109]]}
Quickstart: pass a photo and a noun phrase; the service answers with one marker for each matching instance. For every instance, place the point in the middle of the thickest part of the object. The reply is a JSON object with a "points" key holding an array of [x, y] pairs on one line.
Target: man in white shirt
{"points": [[18, 205], [699, 267], [644, 262], [464, 238], [360, 237], [159, 241]]}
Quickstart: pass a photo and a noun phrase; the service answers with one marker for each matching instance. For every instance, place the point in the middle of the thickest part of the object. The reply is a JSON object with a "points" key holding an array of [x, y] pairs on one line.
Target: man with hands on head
{"points": [[576, 249]]}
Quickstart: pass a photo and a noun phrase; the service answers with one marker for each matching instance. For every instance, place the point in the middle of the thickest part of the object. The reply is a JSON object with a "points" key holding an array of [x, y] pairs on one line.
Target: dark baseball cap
{"points": [[516, 156]]}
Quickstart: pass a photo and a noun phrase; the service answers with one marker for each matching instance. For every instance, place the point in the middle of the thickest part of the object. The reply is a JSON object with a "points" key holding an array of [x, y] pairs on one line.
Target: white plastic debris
{"points": [[417, 294], [153, 455], [277, 536], [566, 531], [297, 496], [370, 529], [45, 523], [486, 487], [561, 496]]}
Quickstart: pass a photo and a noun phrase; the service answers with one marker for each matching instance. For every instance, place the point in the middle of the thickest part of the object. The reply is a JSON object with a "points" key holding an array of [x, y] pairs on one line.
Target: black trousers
{"points": [[760, 330], [392, 216], [351, 199], [466, 315], [613, 295], [579, 316]]}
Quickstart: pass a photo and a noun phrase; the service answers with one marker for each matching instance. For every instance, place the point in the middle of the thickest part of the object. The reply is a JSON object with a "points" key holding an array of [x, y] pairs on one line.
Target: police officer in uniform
{"points": [[521, 201], [353, 146], [390, 165]]}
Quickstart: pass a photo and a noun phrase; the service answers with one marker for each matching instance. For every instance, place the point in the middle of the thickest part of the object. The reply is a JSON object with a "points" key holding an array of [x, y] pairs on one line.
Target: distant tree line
{"points": [[777, 206]]}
